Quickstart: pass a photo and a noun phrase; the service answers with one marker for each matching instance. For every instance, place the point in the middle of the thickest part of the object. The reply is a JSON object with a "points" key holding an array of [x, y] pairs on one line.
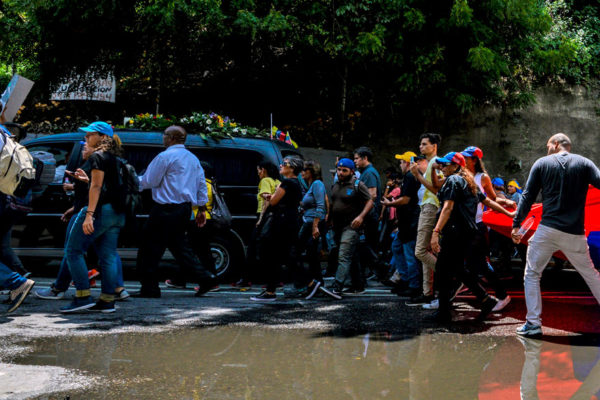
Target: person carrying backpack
{"points": [[18, 285], [351, 202], [99, 223]]}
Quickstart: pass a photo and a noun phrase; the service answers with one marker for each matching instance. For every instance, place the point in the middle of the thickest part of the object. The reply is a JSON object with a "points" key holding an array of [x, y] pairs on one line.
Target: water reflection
{"points": [[246, 363]]}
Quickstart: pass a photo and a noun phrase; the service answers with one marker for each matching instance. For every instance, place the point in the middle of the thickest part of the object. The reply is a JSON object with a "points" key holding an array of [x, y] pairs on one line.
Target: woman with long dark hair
{"points": [[477, 258], [99, 223], [454, 232], [280, 232], [268, 176], [313, 226]]}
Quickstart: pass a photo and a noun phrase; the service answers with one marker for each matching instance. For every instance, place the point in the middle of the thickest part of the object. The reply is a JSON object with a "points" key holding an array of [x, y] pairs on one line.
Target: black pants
{"points": [[451, 263], [477, 260], [277, 245], [166, 228], [200, 239], [306, 242]]}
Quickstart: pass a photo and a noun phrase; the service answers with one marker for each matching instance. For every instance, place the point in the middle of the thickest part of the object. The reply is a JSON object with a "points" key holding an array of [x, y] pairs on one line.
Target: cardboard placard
{"points": [[13, 97]]}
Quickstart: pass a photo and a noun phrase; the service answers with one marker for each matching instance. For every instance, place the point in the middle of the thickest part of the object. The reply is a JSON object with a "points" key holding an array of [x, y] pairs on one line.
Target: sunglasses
{"points": [[285, 164]]}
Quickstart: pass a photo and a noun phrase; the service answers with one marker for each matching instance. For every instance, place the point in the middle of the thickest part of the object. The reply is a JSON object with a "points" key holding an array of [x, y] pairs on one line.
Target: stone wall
{"points": [[511, 142]]}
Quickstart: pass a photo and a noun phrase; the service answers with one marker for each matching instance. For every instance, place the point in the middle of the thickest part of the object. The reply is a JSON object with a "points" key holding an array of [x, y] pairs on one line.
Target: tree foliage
{"points": [[322, 65]]}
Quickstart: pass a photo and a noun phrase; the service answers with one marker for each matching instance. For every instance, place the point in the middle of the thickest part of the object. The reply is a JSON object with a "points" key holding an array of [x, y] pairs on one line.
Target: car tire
{"points": [[228, 253]]}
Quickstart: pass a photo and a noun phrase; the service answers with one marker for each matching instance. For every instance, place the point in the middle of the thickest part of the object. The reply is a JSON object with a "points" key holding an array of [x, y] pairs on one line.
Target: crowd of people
{"points": [[422, 234]]}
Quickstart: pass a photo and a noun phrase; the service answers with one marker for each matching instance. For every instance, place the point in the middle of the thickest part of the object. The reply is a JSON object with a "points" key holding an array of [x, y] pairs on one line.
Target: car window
{"points": [[61, 153], [231, 166], [140, 156]]}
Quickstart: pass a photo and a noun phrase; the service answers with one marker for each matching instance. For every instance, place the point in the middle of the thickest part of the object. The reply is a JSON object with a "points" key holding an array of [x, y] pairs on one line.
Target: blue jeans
{"points": [[9, 279], [64, 275], [106, 233], [406, 263], [348, 241]]}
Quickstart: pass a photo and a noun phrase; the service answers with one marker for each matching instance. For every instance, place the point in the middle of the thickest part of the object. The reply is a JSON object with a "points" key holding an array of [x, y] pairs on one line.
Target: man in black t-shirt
{"points": [[350, 204], [403, 246]]}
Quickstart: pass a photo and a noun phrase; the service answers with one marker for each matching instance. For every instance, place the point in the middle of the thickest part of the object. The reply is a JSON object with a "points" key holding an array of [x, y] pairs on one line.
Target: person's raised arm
{"points": [[497, 207]]}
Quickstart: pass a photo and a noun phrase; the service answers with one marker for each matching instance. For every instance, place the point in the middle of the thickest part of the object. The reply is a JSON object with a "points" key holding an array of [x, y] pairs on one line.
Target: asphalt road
{"points": [[565, 314]]}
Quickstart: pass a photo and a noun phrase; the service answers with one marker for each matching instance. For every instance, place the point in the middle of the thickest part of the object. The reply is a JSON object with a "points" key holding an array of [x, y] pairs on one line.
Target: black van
{"points": [[234, 160]]}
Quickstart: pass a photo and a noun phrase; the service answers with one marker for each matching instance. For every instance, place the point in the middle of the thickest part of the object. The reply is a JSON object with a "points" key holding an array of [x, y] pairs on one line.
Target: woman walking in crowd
{"points": [[80, 188], [454, 232], [280, 231], [514, 191], [313, 227], [269, 180], [477, 256], [99, 223]]}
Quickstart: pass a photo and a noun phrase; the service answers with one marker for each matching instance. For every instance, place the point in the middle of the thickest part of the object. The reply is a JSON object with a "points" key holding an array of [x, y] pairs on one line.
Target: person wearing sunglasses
{"points": [[454, 231], [280, 230]]}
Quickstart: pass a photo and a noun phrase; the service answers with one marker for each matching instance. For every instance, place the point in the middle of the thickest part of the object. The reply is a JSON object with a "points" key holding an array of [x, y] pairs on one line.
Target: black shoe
{"points": [[143, 294], [206, 285], [486, 307], [329, 292], [354, 291], [336, 288], [264, 296], [419, 300], [408, 292], [103, 307]]}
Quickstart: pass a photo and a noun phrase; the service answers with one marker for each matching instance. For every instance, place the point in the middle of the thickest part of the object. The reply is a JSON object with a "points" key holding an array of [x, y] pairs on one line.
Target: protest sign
{"points": [[91, 87], [13, 97]]}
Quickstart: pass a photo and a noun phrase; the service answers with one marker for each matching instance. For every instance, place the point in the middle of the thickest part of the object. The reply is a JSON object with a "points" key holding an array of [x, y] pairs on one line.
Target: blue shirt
{"points": [[313, 202], [370, 177], [176, 176]]}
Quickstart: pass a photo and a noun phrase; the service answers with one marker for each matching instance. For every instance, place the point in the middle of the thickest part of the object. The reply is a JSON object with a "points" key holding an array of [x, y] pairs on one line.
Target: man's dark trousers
{"points": [[166, 228]]}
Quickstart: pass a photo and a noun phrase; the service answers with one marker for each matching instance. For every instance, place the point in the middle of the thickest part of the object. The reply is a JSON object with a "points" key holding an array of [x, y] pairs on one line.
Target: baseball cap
{"points": [[472, 151], [405, 156], [99, 126], [346, 162], [452, 157], [498, 182]]}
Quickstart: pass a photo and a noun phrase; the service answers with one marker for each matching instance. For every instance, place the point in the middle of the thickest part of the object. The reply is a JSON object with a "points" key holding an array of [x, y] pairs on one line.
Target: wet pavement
{"points": [[223, 346]]}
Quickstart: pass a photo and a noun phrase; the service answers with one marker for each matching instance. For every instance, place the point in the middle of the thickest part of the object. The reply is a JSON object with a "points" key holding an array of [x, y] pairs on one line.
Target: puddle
{"points": [[251, 363]]}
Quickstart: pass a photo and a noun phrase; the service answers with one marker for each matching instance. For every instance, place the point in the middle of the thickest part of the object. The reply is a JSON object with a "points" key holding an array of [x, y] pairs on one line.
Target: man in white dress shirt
{"points": [[177, 182]]}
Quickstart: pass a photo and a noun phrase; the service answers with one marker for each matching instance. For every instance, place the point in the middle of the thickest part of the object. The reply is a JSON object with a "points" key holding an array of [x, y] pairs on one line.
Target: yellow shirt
{"points": [[266, 185], [209, 203], [430, 197]]}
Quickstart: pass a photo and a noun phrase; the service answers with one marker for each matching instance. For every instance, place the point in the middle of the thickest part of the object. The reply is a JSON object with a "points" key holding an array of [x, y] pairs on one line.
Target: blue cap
{"points": [[452, 157], [99, 126], [498, 182], [346, 162], [472, 151]]}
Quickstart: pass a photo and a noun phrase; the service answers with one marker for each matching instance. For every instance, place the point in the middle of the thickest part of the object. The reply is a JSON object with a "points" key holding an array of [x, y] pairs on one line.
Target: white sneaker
{"points": [[395, 277], [501, 304], [434, 305]]}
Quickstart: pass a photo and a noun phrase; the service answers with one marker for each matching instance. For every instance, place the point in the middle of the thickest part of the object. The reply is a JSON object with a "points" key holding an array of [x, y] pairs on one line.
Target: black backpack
{"points": [[130, 188]]}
